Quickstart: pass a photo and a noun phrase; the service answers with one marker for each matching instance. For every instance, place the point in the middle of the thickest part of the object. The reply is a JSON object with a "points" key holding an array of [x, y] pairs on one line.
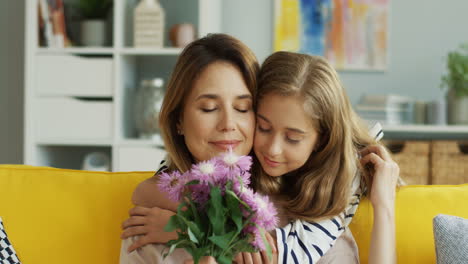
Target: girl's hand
{"points": [[384, 175], [148, 223], [203, 260], [259, 257]]}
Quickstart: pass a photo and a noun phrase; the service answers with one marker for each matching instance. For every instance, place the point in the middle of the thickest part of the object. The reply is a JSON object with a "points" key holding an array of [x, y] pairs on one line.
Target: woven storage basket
{"points": [[413, 159], [449, 162]]}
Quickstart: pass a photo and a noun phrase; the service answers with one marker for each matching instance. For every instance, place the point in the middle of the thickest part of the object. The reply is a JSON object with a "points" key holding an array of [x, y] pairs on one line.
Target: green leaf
{"points": [[267, 245], [234, 209], [172, 225], [222, 241], [215, 211], [192, 236], [224, 259]]}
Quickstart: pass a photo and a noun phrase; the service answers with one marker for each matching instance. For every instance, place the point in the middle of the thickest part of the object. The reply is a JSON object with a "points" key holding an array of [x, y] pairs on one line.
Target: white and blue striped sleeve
{"points": [[306, 242]]}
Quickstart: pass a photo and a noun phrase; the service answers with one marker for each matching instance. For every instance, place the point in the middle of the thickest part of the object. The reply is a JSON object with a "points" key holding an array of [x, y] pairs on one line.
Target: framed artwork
{"points": [[350, 34]]}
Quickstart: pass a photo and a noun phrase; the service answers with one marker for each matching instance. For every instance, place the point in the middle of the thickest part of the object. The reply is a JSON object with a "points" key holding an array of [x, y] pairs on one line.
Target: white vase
{"points": [[93, 33], [458, 108], [148, 24]]}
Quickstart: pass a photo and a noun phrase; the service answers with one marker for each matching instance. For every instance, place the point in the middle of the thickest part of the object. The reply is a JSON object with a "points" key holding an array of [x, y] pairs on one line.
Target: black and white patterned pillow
{"points": [[7, 252]]}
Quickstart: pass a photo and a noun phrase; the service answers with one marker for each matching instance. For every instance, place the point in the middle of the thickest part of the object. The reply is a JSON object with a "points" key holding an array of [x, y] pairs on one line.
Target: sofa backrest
{"points": [[71, 216], [416, 206], [65, 216]]}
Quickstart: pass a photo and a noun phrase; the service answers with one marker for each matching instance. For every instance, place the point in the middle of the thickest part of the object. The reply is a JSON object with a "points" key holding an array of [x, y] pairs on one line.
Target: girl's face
{"points": [[218, 113], [285, 136]]}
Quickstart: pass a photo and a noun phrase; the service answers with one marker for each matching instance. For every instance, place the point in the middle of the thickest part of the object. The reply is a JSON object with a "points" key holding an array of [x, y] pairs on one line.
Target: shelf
{"points": [[151, 51], [67, 142], [77, 50], [426, 132], [141, 142], [445, 129]]}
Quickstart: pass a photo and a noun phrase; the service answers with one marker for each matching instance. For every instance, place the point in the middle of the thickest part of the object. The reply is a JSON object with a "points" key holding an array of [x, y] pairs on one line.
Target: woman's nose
{"points": [[227, 122]]}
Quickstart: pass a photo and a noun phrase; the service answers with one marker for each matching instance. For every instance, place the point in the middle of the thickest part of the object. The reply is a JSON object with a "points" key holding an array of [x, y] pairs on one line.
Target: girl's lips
{"points": [[226, 144], [270, 162]]}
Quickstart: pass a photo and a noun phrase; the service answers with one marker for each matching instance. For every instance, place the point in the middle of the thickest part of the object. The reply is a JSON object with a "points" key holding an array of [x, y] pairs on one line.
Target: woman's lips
{"points": [[226, 144], [271, 163]]}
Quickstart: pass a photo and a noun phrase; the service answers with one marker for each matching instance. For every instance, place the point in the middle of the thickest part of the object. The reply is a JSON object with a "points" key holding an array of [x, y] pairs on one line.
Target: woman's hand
{"points": [[149, 223], [384, 176], [259, 257]]}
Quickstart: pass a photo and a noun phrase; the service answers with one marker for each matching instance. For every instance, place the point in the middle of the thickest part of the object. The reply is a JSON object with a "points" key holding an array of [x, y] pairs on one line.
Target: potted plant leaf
{"points": [[93, 25], [456, 80]]}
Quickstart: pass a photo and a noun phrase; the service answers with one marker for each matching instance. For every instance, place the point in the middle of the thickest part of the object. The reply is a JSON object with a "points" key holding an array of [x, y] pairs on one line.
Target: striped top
{"points": [[306, 242]]}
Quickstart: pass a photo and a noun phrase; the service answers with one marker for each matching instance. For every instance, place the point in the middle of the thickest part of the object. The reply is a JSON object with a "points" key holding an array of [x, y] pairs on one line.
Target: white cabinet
{"points": [[71, 75], [73, 119], [139, 158], [80, 99]]}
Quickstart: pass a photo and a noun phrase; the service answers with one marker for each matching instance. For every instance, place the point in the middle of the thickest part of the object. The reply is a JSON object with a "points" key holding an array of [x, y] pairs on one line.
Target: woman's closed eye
{"points": [[207, 109]]}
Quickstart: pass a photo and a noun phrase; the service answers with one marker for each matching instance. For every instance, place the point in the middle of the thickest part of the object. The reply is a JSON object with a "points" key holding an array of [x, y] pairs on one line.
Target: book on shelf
{"points": [[53, 24]]}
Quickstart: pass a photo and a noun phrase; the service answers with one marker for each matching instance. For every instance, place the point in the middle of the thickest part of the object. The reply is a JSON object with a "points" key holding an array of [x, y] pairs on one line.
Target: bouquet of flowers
{"points": [[218, 215]]}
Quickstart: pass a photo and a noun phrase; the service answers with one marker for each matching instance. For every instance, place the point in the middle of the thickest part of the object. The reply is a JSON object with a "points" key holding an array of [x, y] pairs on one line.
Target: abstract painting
{"points": [[350, 34]]}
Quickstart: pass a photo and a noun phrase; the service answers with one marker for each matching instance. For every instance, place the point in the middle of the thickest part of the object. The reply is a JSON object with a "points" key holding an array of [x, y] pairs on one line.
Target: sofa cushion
{"points": [[451, 239], [66, 216], [7, 252]]}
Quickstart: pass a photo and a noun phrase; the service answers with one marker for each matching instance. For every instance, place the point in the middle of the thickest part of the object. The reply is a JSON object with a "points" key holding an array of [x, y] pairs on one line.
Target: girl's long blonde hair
{"points": [[321, 188], [193, 60]]}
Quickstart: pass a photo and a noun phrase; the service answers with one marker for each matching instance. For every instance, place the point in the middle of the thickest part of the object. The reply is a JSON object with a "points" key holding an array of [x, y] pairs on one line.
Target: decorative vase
{"points": [[93, 33], [96, 161], [182, 34], [458, 108], [148, 103], [148, 24]]}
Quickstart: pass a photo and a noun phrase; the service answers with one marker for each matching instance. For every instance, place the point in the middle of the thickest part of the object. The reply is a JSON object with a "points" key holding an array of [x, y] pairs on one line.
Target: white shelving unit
{"points": [[64, 123]]}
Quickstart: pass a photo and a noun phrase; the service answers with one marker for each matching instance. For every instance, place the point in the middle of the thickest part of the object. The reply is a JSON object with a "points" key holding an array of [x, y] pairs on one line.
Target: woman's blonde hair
{"points": [[190, 64], [321, 187]]}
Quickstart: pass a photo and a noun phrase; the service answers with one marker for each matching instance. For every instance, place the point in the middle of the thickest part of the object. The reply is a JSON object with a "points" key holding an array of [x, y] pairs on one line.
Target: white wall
{"points": [[421, 34], [11, 81]]}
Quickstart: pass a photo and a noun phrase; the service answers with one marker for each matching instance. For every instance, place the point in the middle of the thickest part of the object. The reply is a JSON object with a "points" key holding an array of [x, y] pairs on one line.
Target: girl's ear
{"points": [[322, 142]]}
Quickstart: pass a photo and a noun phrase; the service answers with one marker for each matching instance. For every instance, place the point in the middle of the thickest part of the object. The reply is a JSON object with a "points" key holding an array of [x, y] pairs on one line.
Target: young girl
{"points": [[309, 142]]}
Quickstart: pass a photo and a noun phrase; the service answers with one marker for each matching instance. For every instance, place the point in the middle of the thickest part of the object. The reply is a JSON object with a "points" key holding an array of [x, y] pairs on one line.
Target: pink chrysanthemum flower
{"points": [[200, 193], [173, 184], [207, 172], [257, 241], [265, 212], [236, 164]]}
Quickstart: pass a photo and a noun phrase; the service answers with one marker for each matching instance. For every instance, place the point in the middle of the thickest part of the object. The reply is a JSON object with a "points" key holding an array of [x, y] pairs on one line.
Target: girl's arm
{"points": [[385, 173]]}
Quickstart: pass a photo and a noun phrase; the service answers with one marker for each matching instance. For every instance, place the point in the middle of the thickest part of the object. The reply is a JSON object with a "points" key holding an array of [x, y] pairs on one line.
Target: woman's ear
{"points": [[180, 131]]}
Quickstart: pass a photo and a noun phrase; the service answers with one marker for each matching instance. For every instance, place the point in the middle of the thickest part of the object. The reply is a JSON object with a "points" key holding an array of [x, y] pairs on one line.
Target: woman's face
{"points": [[218, 113], [285, 136]]}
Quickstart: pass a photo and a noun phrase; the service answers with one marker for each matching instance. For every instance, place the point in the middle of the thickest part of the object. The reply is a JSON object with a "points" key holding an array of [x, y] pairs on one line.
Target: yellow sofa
{"points": [[70, 216]]}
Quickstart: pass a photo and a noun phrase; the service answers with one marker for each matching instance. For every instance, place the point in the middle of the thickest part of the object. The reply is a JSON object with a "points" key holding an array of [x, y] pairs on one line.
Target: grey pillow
{"points": [[451, 239], [7, 252]]}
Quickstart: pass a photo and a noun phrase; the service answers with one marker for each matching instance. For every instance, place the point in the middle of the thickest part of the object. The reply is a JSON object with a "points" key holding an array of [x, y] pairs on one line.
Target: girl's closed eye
{"points": [[263, 129]]}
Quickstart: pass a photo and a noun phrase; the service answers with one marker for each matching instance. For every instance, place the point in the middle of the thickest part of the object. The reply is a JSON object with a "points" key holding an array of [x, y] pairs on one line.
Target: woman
{"points": [[207, 109]]}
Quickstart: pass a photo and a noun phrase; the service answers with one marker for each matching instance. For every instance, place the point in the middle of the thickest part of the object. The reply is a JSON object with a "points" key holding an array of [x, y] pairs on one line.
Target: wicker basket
{"points": [[413, 159], [449, 162]]}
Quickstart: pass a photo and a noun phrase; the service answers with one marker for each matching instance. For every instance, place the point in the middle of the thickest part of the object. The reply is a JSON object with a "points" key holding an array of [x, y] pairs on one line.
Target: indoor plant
{"points": [[456, 80], [93, 26]]}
